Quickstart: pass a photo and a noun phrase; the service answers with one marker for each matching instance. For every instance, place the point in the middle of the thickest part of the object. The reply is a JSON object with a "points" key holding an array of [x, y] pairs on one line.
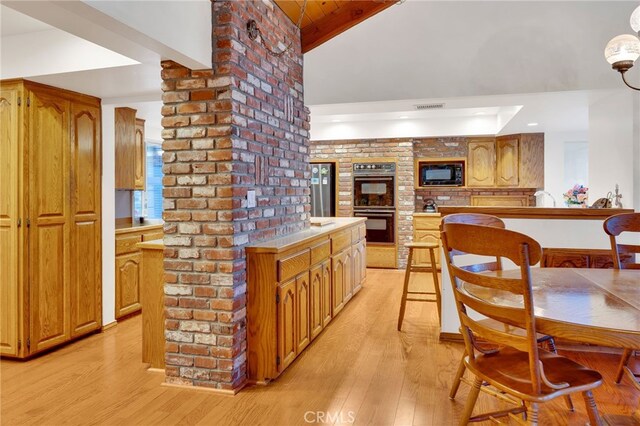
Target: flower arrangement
{"points": [[576, 196]]}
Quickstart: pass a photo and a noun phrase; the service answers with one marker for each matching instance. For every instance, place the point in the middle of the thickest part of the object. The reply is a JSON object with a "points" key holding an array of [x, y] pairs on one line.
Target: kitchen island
{"points": [[570, 237], [296, 285]]}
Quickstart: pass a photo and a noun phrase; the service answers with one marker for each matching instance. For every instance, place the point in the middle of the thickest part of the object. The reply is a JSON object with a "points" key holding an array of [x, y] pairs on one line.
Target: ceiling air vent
{"points": [[429, 106]]}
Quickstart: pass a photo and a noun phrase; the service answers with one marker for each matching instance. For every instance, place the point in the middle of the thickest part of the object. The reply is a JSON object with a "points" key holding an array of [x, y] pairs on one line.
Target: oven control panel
{"points": [[377, 168]]}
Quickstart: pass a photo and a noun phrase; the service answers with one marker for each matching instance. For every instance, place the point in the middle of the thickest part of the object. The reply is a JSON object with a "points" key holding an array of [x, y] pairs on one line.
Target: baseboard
{"points": [[108, 326], [224, 392], [451, 337]]}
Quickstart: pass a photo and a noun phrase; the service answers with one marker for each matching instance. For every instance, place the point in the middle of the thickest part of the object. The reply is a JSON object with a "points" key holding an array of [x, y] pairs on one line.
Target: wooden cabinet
{"points": [[130, 150], [500, 200], [129, 269], [287, 336], [296, 286], [507, 161], [481, 164], [513, 161], [128, 279], [50, 216], [579, 258], [426, 229], [152, 300]]}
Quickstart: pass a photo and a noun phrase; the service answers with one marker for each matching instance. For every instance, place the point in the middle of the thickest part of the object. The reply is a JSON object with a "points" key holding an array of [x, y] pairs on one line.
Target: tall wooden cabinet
{"points": [[50, 216]]}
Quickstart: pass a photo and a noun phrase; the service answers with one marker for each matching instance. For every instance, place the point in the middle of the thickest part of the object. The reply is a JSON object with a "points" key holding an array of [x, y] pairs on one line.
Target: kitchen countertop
{"points": [[122, 228], [151, 245], [284, 243], [535, 212]]}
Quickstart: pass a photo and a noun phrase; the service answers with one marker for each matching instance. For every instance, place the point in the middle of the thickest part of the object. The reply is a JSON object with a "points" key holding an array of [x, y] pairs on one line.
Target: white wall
{"points": [[554, 163], [613, 145], [108, 216]]}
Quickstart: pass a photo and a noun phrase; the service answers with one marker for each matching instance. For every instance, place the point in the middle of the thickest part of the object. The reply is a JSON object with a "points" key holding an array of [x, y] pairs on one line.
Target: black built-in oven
{"points": [[374, 189]]}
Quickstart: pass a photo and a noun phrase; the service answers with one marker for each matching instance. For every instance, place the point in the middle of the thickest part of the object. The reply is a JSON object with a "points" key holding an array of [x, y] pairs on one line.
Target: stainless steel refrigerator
{"points": [[323, 190]]}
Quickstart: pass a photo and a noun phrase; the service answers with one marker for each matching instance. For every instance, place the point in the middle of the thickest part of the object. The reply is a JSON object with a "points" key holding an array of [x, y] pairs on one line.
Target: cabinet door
{"points": [[317, 300], [531, 160], [126, 154], [357, 266], [49, 216], [303, 315], [10, 233], [128, 280], [481, 163], [326, 293], [85, 257], [508, 160], [287, 339], [348, 275], [363, 264], [422, 256], [338, 282], [141, 156]]}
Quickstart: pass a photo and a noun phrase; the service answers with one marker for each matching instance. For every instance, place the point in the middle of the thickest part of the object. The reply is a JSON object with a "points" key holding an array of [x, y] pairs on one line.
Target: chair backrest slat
{"points": [[496, 336], [616, 225]]}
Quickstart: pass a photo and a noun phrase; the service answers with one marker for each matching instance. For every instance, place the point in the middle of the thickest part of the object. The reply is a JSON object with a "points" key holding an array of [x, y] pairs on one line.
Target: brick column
{"points": [[240, 126]]}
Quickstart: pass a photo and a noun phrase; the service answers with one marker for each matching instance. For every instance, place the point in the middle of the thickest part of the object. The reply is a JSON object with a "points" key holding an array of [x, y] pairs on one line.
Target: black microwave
{"points": [[441, 173]]}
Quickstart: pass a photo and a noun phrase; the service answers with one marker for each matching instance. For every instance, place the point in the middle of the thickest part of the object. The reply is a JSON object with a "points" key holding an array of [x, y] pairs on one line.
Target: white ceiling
{"points": [[516, 61], [15, 23]]}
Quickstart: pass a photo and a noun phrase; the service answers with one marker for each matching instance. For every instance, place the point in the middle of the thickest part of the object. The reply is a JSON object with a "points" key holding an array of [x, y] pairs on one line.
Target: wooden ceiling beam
{"points": [[349, 13]]}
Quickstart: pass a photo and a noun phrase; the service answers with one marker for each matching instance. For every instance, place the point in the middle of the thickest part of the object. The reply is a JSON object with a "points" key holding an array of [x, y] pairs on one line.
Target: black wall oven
{"points": [[374, 197]]}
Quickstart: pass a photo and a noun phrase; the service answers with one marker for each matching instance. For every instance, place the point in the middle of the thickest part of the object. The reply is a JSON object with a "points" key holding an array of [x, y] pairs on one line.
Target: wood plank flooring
{"points": [[360, 370]]}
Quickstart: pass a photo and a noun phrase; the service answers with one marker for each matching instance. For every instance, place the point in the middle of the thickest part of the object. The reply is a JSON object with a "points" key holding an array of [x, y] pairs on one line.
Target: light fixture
{"points": [[336, 120], [403, 117], [532, 124], [622, 51]]}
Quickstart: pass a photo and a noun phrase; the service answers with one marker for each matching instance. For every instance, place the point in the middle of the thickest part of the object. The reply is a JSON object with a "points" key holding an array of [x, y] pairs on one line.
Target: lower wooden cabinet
{"points": [[579, 258], [295, 291], [426, 229], [129, 269], [129, 278]]}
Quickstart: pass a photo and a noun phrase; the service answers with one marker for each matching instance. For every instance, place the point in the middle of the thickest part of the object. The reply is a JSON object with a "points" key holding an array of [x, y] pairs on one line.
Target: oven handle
{"points": [[373, 177], [372, 214]]}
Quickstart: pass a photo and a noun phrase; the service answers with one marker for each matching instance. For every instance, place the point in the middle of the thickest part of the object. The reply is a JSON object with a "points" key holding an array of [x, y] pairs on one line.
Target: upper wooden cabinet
{"points": [[130, 150], [514, 161], [507, 160], [50, 216], [481, 164]]}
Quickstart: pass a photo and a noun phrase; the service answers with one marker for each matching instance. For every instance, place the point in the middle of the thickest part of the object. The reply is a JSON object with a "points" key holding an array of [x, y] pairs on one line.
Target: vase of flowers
{"points": [[576, 197]]}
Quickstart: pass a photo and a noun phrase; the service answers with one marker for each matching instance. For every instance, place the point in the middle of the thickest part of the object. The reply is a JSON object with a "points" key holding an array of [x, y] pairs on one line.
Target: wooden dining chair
{"points": [[496, 222], [518, 366], [614, 226]]}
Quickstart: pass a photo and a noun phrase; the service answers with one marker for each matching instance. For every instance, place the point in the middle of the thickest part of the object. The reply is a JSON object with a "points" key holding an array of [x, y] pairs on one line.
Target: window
{"points": [[148, 203]]}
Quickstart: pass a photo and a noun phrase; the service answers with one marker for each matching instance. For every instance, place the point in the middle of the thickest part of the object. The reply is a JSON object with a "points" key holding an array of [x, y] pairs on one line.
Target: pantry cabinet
{"points": [[295, 286], [50, 216]]}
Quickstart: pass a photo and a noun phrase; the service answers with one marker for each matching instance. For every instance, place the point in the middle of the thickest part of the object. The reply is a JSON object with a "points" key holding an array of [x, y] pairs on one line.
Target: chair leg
{"points": [[405, 289], [532, 414], [471, 401], [436, 282], [592, 409], [456, 381], [623, 362]]}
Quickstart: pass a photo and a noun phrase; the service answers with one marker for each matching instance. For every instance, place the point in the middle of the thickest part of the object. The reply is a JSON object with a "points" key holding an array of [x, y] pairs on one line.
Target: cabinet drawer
{"points": [[127, 244], [355, 234], [340, 240], [294, 264], [428, 223], [320, 252], [154, 235]]}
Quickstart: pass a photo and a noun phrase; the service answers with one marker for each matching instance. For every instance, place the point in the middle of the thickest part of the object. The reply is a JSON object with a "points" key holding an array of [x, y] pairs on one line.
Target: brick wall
{"points": [[241, 125], [403, 151], [400, 150]]}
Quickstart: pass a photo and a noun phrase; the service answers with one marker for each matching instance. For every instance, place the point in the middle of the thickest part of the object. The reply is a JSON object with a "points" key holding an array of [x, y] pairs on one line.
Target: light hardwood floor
{"points": [[359, 367]]}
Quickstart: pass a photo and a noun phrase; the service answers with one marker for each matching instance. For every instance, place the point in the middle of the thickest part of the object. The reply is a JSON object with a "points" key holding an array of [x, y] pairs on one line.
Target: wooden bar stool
{"points": [[411, 267]]}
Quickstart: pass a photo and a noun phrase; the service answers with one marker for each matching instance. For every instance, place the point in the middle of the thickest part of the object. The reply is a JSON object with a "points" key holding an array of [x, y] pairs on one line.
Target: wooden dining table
{"points": [[595, 306]]}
